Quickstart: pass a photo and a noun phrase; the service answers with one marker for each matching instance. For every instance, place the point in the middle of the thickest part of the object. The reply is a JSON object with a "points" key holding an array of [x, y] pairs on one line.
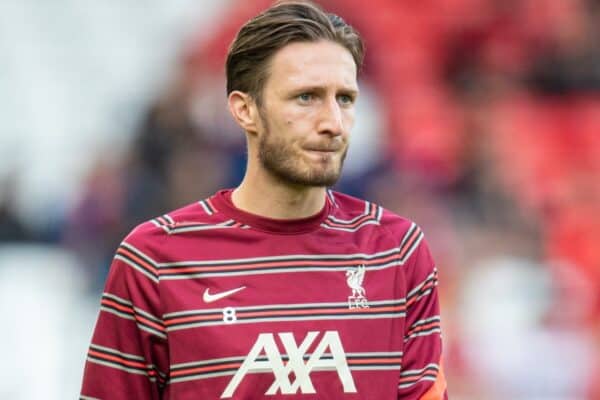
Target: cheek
{"points": [[348, 120]]}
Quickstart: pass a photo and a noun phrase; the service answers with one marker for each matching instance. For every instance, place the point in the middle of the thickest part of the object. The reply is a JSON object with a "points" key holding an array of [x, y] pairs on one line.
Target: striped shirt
{"points": [[210, 302]]}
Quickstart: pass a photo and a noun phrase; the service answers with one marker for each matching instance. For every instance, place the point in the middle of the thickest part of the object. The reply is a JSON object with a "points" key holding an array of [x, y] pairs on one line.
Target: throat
{"points": [[279, 203]]}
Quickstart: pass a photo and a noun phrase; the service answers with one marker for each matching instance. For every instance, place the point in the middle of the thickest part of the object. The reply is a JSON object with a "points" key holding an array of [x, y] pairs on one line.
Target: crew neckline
{"points": [[223, 203]]}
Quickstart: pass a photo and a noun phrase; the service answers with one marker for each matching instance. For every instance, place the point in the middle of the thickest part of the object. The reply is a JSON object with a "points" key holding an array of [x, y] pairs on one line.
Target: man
{"points": [[279, 288]]}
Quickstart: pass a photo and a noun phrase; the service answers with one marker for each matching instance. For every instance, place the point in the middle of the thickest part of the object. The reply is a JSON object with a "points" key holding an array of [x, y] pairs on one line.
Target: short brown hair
{"points": [[286, 22]]}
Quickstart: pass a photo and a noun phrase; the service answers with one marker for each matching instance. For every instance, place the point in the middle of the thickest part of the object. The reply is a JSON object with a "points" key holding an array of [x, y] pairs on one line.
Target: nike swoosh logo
{"points": [[209, 298]]}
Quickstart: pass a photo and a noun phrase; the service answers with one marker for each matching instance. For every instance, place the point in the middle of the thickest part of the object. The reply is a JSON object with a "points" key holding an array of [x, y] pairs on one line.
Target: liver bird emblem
{"points": [[355, 278]]}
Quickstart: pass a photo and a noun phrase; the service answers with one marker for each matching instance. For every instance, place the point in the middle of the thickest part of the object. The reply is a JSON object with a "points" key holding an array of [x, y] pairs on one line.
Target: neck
{"points": [[271, 198]]}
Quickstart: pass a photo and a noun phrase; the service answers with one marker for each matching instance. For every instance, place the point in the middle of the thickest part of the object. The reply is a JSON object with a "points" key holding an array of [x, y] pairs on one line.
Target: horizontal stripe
{"points": [[422, 289], [124, 309], [291, 263], [82, 397], [422, 333], [424, 378], [120, 367], [303, 306], [279, 264], [365, 223], [228, 366], [288, 319], [137, 260], [116, 352], [123, 361], [284, 258], [183, 227], [138, 310], [418, 372], [371, 216], [424, 327], [163, 222], [424, 322], [412, 377], [296, 312]]}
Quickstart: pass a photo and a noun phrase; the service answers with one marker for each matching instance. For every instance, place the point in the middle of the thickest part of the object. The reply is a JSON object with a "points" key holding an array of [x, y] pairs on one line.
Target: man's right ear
{"points": [[244, 110]]}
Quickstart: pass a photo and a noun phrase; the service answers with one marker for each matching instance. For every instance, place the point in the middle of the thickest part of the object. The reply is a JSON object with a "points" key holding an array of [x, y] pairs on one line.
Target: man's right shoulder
{"points": [[156, 231]]}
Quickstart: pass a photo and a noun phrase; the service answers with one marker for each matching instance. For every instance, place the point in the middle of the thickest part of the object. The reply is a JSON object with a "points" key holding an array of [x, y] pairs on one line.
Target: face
{"points": [[307, 112]]}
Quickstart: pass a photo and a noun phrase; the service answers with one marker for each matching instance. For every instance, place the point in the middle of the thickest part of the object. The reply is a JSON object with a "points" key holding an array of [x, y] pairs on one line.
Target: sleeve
{"points": [[128, 356], [421, 375]]}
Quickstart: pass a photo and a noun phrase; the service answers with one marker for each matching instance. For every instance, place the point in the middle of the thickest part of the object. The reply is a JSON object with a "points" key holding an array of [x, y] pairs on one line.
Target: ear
{"points": [[244, 110]]}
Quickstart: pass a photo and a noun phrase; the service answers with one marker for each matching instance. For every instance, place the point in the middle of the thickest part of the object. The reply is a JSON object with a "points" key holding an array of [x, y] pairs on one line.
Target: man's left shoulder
{"points": [[347, 207]]}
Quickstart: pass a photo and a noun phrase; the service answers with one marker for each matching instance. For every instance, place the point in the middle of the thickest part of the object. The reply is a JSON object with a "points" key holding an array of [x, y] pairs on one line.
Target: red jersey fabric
{"points": [[210, 302]]}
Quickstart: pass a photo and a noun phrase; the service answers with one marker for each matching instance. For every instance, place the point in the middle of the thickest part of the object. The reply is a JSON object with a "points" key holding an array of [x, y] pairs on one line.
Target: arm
{"points": [[422, 376], [128, 358]]}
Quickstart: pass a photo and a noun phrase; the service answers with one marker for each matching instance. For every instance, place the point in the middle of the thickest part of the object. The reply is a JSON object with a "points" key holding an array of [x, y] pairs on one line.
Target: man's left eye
{"points": [[305, 97], [345, 99]]}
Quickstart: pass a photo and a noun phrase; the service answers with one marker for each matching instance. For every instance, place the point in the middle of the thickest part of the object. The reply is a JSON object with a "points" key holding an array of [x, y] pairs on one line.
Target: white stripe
{"points": [[135, 266], [415, 372], [284, 356], [282, 306], [331, 197], [120, 367], [379, 213], [430, 277], [273, 271], [206, 376], [205, 362], [425, 378], [168, 218], [132, 318], [337, 228], [423, 333], [408, 234], [424, 322], [220, 225], [414, 246], [82, 397], [284, 319], [161, 226], [205, 207], [139, 253], [136, 309], [350, 221], [225, 373], [114, 351], [374, 367], [300, 257]]}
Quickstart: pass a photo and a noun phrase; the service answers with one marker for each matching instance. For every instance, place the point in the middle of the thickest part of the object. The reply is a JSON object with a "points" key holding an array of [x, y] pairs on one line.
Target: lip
{"points": [[323, 150]]}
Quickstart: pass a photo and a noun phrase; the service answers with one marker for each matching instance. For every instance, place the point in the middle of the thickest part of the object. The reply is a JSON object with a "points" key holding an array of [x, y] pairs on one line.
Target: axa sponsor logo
{"points": [[328, 355]]}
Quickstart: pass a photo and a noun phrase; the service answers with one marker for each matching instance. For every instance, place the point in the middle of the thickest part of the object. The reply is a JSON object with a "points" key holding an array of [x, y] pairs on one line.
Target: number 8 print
{"points": [[229, 316]]}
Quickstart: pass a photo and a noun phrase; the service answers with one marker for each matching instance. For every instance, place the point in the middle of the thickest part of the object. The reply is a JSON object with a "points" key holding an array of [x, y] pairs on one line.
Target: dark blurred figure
{"points": [[12, 229]]}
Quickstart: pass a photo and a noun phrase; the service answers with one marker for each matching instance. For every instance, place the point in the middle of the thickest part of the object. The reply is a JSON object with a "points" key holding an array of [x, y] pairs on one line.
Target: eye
{"points": [[345, 99], [305, 97]]}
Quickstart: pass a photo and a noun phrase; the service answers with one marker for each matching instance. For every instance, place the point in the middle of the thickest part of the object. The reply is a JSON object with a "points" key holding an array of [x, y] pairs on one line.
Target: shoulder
{"points": [[349, 208], [148, 236]]}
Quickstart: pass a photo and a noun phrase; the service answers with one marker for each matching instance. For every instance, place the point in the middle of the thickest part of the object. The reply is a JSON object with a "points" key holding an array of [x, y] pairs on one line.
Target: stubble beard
{"points": [[279, 158]]}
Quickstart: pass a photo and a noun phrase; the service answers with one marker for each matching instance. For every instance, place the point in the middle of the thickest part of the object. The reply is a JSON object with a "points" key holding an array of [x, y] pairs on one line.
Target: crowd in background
{"points": [[487, 135]]}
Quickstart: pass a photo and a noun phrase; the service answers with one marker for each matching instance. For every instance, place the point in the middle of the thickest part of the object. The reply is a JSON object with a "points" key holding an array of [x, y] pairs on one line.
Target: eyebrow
{"points": [[319, 89]]}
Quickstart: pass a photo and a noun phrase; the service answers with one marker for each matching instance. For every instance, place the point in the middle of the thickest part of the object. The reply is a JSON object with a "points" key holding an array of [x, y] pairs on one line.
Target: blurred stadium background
{"points": [[478, 119]]}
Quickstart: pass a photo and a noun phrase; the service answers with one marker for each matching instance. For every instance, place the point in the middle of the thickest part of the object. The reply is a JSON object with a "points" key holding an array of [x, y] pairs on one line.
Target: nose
{"points": [[330, 121]]}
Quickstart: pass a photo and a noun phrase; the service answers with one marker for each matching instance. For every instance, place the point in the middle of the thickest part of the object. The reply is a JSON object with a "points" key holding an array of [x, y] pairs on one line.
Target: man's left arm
{"points": [[422, 376]]}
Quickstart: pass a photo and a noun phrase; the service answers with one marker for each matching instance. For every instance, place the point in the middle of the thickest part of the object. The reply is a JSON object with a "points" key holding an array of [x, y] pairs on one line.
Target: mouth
{"points": [[323, 149]]}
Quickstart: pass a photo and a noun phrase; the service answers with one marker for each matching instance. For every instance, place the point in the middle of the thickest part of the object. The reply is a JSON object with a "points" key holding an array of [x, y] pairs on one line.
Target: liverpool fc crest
{"points": [[355, 278]]}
